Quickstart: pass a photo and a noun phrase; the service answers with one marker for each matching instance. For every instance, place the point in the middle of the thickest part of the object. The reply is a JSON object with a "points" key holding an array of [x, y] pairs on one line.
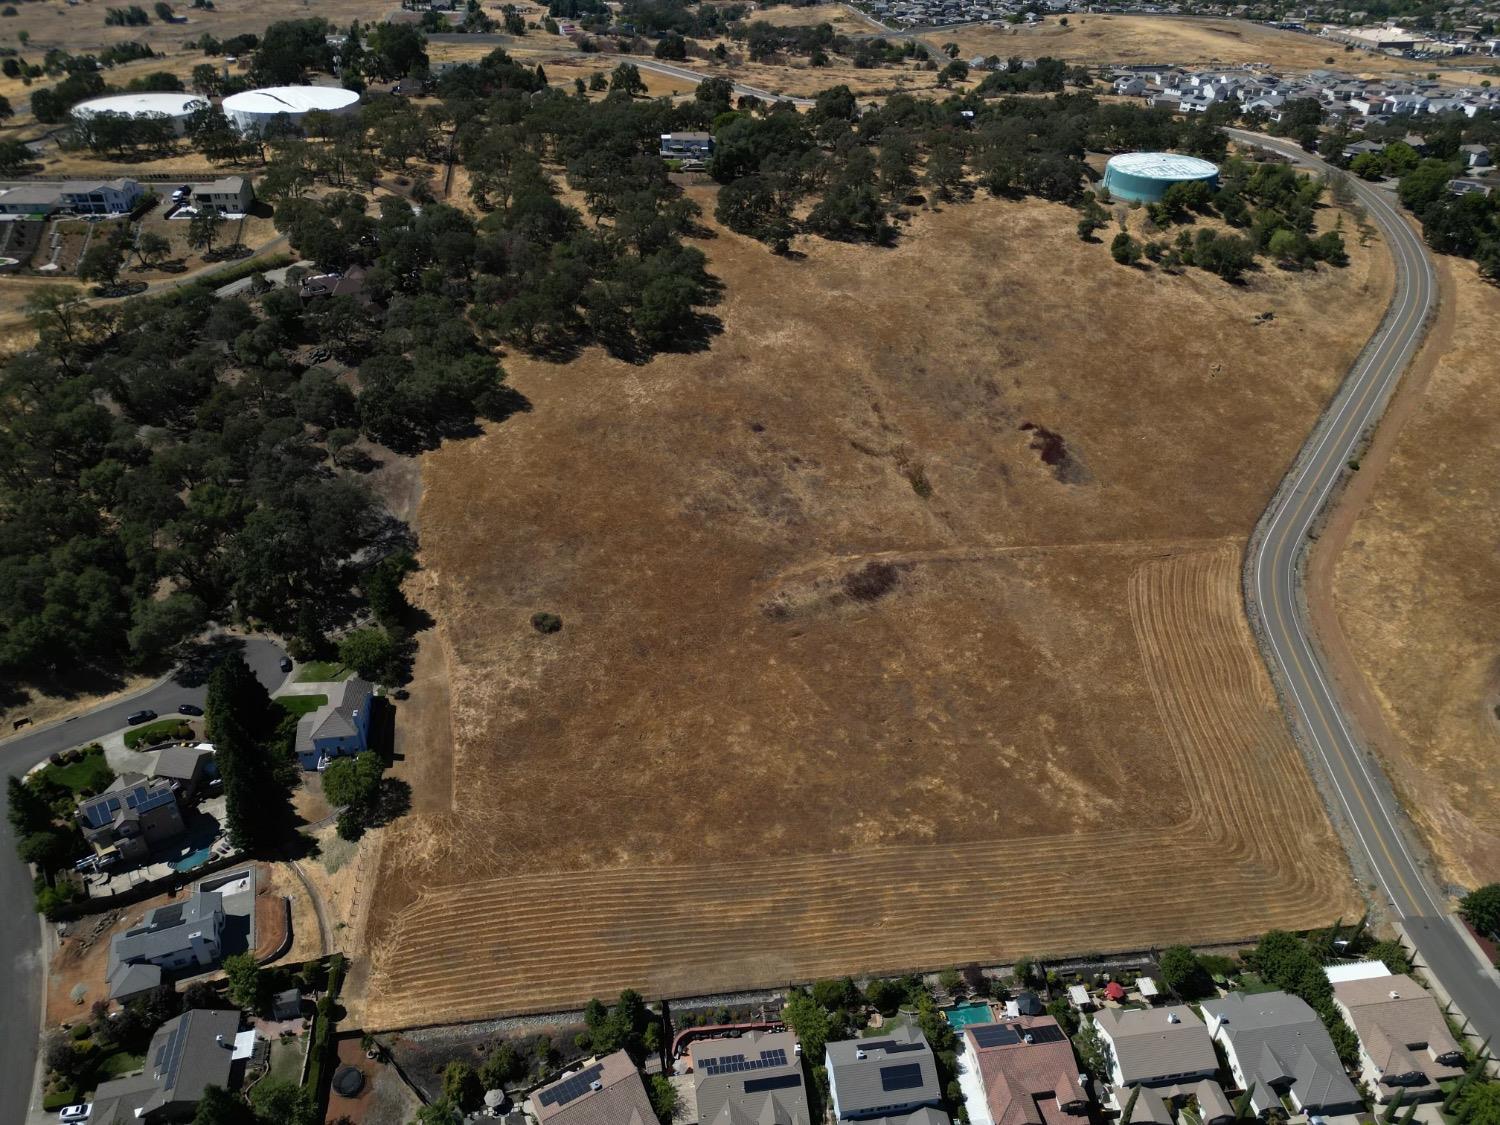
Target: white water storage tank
{"points": [[176, 107], [254, 109], [1145, 176]]}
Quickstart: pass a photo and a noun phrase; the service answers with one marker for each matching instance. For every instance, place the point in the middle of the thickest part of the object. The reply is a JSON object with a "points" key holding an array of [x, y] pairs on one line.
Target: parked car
{"points": [[138, 717], [286, 664], [69, 1114], [182, 193], [189, 709]]}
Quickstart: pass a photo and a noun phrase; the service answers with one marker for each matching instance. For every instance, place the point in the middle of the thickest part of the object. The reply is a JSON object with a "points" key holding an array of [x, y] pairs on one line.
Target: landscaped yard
{"points": [[286, 1063], [163, 730], [322, 671], [90, 772], [300, 705]]}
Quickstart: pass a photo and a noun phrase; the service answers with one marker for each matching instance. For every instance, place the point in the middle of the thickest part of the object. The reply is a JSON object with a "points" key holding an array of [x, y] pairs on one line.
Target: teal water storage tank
{"points": [[1145, 176]]}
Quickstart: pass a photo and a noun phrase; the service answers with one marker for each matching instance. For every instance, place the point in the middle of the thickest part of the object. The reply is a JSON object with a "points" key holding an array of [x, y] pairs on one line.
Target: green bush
{"points": [[546, 622]]}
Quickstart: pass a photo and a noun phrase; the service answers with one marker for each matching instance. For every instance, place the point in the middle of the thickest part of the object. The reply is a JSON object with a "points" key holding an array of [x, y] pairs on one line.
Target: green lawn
{"points": [[322, 671], [117, 1065], [1252, 984], [91, 772], [163, 730], [286, 1063], [300, 705]]}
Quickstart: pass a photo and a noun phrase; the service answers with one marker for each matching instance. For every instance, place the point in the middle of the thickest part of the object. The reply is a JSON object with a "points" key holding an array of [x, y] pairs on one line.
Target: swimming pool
{"points": [[191, 860], [965, 1014]]}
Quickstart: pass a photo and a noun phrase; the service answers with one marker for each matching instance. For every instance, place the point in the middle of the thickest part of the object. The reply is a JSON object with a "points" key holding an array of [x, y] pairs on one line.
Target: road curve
{"points": [[21, 968], [1273, 595]]}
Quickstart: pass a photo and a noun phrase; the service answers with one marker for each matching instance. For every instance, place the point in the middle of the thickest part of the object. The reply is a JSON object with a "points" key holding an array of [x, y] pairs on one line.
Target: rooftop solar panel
{"points": [[733, 1064], [1046, 1033], [774, 1082], [994, 1035], [907, 1076], [572, 1088]]}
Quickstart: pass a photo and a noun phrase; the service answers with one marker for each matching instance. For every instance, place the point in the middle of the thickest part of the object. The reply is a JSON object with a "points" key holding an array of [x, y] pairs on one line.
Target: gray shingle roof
{"points": [[166, 929], [1277, 1038], [1156, 1043], [873, 1081], [759, 1095], [189, 1053], [335, 719]]}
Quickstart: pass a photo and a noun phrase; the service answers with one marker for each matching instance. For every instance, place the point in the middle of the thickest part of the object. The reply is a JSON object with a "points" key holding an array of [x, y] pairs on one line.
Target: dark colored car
{"points": [[286, 664], [138, 717], [189, 709]]}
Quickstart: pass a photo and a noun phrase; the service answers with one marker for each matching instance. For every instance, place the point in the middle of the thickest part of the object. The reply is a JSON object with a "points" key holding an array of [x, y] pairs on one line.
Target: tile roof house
{"points": [[1156, 1046], [754, 1080], [341, 726], [131, 815], [187, 1054], [1277, 1043], [607, 1091], [170, 937], [1021, 1072], [888, 1076], [1404, 1042]]}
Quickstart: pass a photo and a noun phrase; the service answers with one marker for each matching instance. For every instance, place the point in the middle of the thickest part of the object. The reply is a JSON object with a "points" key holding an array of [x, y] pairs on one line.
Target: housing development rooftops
{"points": [[167, 929], [883, 1073], [1157, 1044], [1277, 1042], [606, 1091], [187, 1054], [1028, 1071], [132, 795], [753, 1080]]}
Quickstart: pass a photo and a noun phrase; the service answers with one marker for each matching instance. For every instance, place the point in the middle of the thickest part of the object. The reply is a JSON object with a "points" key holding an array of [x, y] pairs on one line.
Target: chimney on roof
{"points": [[219, 1039], [1172, 1018], [859, 1054], [1395, 995], [1026, 1038], [596, 1085]]}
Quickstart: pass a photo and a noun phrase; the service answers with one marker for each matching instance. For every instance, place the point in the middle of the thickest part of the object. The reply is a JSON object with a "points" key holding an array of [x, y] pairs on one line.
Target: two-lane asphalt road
{"points": [[1274, 589], [20, 947]]}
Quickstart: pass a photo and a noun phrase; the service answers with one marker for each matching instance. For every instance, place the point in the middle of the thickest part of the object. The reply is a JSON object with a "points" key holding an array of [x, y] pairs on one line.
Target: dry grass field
{"points": [[1095, 40], [804, 719], [1418, 595]]}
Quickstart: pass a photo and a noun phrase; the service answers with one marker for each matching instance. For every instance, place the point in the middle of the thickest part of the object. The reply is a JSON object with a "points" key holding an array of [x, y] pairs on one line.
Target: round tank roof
{"points": [[171, 104], [1163, 166], [290, 99]]}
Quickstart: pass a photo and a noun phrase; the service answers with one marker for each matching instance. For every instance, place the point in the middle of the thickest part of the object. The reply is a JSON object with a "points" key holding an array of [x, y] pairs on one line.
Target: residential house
{"points": [[605, 1091], [687, 146], [341, 726], [31, 199], [124, 821], [1130, 85], [1475, 156], [757, 1077], [1021, 1072], [1278, 1048], [1404, 1042], [887, 1076], [187, 769], [99, 197], [1467, 187], [189, 1053], [230, 195], [1156, 1046], [350, 283], [1161, 1105], [176, 936]]}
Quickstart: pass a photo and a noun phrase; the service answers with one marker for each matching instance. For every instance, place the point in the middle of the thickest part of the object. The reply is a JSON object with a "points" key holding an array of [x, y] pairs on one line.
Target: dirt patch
{"points": [[1417, 595], [77, 977], [687, 788], [270, 924]]}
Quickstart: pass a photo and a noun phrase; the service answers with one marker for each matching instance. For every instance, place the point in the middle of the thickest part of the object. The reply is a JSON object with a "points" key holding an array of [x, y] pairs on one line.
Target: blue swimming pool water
{"points": [[191, 860], [965, 1014]]}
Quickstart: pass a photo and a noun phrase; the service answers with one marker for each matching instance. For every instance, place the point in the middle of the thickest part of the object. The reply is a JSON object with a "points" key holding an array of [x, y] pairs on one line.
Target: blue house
{"points": [[341, 726]]}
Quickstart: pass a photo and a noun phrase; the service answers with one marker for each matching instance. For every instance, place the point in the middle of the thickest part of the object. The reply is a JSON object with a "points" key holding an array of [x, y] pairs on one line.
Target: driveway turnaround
{"points": [[1273, 594]]}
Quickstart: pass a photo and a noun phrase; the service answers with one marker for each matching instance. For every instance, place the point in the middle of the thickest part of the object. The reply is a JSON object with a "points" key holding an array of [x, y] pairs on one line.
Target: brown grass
{"points": [[725, 770], [1096, 40], [1419, 598]]}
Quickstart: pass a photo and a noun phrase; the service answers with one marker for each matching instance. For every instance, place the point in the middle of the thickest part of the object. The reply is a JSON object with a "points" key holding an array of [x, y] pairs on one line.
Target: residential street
{"points": [[20, 932]]}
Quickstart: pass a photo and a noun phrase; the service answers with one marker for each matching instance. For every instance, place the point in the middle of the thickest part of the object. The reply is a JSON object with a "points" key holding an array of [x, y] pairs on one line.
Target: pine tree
{"points": [[1135, 1092], [1390, 1111], [1243, 1111]]}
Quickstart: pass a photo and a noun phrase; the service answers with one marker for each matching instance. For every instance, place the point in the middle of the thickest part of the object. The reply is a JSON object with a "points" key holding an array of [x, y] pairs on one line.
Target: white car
{"points": [[72, 1114]]}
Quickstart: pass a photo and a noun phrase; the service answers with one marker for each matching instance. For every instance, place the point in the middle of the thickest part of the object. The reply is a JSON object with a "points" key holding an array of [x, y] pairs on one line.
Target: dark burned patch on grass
{"points": [[1055, 453], [871, 582]]}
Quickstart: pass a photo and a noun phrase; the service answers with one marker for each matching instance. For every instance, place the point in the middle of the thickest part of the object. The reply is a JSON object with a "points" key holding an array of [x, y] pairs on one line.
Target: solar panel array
{"points": [[907, 1076], [774, 1082], [733, 1064], [571, 1089], [1045, 1033], [994, 1035], [169, 1058], [890, 1046]]}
